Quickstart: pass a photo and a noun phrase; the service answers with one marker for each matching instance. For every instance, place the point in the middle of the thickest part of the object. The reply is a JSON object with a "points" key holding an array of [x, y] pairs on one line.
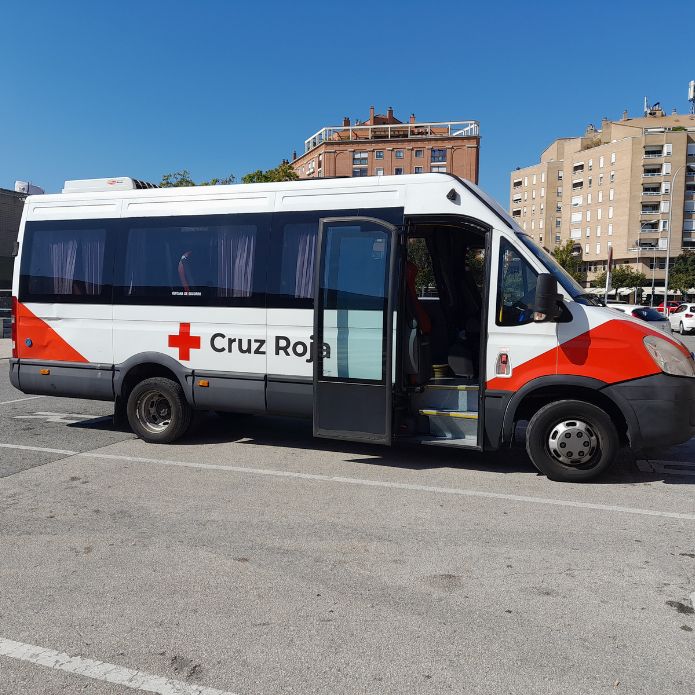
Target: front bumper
{"points": [[659, 409]]}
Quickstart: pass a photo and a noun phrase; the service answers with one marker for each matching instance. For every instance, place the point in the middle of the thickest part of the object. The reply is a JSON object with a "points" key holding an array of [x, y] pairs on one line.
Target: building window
{"points": [[559, 192], [600, 162], [525, 180], [588, 198], [588, 232], [612, 157], [418, 170], [576, 201], [610, 213], [438, 155], [599, 213], [359, 171], [575, 233], [360, 158], [600, 179], [533, 195], [559, 175], [379, 171], [542, 192], [533, 180], [398, 171], [600, 196], [598, 230], [398, 154], [558, 207], [591, 164], [612, 176], [588, 215], [598, 248], [421, 153], [610, 230], [558, 222], [438, 169], [378, 154], [611, 193], [587, 249]]}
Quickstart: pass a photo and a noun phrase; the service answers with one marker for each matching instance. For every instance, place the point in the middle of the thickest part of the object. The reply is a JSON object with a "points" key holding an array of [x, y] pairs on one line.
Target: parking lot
{"points": [[253, 559]]}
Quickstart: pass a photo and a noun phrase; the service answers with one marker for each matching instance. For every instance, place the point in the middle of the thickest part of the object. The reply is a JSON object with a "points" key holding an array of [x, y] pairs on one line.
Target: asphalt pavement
{"points": [[252, 559]]}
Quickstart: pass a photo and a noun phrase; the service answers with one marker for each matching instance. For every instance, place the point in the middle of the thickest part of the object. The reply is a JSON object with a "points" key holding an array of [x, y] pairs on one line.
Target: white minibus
{"points": [[387, 309]]}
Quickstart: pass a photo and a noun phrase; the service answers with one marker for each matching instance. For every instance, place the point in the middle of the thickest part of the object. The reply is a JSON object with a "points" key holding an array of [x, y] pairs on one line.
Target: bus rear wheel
{"points": [[158, 411], [571, 441]]}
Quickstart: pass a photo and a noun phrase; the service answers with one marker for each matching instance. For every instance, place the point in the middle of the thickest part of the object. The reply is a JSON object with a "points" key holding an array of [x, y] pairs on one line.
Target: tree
{"points": [[180, 179], [682, 275], [622, 276], [570, 261], [282, 172]]}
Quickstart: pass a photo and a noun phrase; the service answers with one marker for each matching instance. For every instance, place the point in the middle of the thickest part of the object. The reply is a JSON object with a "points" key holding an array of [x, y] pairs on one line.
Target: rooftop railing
{"points": [[393, 131]]}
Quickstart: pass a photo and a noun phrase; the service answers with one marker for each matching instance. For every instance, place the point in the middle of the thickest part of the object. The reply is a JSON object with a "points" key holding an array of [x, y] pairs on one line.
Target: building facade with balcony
{"points": [[614, 187], [383, 145]]}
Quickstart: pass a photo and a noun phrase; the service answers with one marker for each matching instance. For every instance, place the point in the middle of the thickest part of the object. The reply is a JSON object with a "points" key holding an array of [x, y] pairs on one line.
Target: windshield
{"points": [[564, 279]]}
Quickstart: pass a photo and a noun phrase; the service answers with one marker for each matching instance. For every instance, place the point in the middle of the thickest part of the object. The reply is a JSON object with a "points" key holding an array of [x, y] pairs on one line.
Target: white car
{"points": [[644, 313], [683, 318]]}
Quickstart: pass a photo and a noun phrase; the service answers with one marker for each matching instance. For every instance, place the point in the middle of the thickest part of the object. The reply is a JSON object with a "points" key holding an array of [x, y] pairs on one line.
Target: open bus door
{"points": [[355, 287]]}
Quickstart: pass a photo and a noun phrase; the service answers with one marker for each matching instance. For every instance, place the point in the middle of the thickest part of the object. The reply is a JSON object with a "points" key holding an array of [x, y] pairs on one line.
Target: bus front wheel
{"points": [[158, 411], [571, 441]]}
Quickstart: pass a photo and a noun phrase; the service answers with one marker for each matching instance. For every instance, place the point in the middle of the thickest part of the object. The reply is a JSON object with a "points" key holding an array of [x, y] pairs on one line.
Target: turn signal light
{"points": [[13, 333], [44, 372], [204, 383]]}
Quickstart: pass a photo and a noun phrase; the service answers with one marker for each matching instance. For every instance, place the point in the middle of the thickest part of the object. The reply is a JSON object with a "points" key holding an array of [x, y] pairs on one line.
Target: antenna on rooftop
{"points": [[691, 96]]}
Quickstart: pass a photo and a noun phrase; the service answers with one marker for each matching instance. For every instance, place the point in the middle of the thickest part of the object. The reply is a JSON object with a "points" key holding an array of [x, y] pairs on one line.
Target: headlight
{"points": [[668, 357]]}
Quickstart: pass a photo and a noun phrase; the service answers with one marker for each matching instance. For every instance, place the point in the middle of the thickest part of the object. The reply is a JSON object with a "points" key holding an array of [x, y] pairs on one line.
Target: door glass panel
{"points": [[516, 287], [354, 292]]}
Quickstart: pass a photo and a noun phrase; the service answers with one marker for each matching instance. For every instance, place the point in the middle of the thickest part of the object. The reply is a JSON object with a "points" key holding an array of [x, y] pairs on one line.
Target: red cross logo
{"points": [[184, 341]]}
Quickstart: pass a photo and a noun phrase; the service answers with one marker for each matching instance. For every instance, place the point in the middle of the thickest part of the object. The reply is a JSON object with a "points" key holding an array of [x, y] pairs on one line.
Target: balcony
{"points": [[650, 210], [516, 199], [652, 172], [651, 191], [516, 213], [517, 183], [393, 131], [652, 154]]}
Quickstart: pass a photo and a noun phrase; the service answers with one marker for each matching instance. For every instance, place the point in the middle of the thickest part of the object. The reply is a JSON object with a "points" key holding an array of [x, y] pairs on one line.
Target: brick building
{"points": [[11, 206], [383, 145]]}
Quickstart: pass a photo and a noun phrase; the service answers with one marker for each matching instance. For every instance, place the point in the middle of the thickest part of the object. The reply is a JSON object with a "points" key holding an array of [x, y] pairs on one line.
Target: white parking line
{"points": [[102, 671], [464, 492], [21, 447], [19, 400]]}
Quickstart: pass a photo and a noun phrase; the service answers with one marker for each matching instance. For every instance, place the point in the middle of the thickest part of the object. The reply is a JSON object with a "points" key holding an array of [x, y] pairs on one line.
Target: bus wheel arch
{"points": [[535, 395]]}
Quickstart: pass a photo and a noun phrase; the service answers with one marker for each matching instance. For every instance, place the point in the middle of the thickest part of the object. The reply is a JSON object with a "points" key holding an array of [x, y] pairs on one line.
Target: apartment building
{"points": [[614, 187], [384, 145]]}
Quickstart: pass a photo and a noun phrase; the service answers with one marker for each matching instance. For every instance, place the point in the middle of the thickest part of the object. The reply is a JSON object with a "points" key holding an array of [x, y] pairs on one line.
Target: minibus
{"points": [[386, 309]]}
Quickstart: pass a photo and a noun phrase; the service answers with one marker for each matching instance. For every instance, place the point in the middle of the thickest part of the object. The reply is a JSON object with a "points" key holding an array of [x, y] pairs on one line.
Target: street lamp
{"points": [[668, 242]]}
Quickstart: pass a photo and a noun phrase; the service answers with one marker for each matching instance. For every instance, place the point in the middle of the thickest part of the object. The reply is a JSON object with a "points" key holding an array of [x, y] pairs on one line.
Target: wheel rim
{"points": [[154, 411], [573, 443]]}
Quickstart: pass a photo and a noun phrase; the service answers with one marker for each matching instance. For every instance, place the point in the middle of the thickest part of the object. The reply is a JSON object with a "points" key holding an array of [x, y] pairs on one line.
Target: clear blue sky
{"points": [[92, 89]]}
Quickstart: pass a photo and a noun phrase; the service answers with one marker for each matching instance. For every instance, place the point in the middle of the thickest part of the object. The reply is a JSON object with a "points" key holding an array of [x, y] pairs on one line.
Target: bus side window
{"points": [[516, 288], [64, 261]]}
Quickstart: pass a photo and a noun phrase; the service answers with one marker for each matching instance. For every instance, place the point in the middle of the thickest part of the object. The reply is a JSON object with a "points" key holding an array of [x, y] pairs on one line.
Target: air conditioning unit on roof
{"points": [[121, 183]]}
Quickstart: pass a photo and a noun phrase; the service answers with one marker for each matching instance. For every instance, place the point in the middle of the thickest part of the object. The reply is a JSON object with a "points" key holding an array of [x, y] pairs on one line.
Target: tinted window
{"points": [[64, 262], [648, 314], [516, 288], [293, 253], [194, 260]]}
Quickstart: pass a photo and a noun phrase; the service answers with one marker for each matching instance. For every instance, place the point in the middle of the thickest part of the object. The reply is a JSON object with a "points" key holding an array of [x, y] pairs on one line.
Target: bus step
{"points": [[451, 424], [463, 442]]}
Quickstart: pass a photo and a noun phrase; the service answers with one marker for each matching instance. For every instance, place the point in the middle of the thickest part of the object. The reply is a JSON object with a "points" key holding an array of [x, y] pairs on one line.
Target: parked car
{"points": [[644, 313], [672, 306], [683, 318]]}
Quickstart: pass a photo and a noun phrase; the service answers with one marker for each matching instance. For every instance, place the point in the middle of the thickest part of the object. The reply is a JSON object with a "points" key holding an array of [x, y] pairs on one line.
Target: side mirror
{"points": [[547, 305]]}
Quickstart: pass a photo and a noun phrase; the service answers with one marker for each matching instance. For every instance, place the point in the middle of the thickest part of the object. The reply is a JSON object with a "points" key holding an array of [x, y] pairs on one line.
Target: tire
{"points": [[158, 411], [681, 329], [577, 422]]}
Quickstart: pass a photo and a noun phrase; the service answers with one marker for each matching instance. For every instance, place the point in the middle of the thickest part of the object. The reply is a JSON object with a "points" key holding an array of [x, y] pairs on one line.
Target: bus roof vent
{"points": [[122, 183]]}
